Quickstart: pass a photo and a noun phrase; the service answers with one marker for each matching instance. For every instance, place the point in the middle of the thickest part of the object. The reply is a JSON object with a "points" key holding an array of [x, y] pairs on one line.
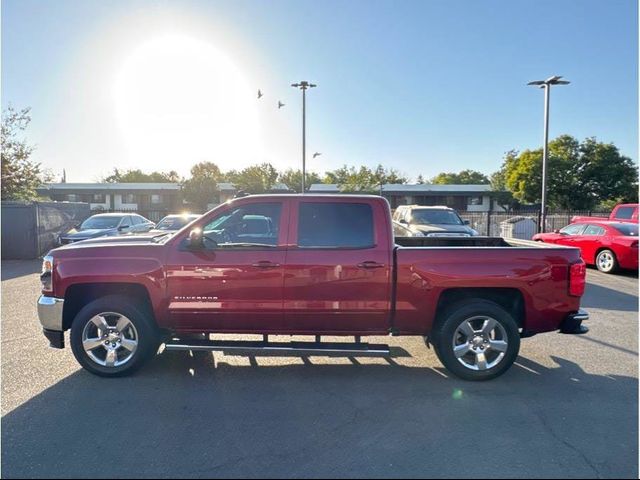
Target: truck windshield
{"points": [[627, 229], [435, 217], [100, 223]]}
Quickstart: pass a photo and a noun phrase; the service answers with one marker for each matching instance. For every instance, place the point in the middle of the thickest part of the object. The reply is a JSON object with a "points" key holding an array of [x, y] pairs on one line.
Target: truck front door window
{"points": [[249, 225]]}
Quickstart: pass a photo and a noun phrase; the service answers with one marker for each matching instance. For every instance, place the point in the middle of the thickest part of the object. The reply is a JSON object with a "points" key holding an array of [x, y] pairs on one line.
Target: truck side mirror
{"points": [[195, 240]]}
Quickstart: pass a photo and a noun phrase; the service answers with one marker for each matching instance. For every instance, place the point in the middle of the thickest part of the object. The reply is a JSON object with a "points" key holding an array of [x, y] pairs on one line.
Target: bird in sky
{"points": [[317, 154], [259, 94], [280, 104]]}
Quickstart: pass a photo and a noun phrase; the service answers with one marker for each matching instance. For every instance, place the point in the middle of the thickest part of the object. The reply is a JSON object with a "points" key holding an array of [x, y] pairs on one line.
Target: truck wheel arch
{"points": [[78, 295], [511, 299]]}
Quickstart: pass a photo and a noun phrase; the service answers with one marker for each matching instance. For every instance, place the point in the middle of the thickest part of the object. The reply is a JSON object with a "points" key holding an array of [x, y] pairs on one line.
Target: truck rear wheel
{"points": [[477, 340], [113, 336]]}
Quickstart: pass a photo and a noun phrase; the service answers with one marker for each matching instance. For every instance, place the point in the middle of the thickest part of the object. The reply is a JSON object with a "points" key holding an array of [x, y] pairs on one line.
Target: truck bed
{"points": [[535, 273], [451, 242], [468, 242]]}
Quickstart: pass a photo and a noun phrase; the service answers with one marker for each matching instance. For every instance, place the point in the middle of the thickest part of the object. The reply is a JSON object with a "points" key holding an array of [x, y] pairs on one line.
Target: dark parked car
{"points": [[107, 225], [433, 221], [173, 223]]}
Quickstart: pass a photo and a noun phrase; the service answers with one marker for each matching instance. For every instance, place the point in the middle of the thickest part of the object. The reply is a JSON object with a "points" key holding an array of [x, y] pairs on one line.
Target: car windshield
{"points": [[627, 229], [100, 223], [174, 223], [435, 217]]}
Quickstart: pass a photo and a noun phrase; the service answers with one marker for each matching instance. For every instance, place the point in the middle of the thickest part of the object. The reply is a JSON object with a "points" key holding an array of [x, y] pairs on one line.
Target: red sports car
{"points": [[607, 245]]}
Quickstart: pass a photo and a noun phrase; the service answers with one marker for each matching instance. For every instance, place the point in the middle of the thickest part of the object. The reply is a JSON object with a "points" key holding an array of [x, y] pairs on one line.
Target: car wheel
{"points": [[477, 340], [113, 336], [606, 261]]}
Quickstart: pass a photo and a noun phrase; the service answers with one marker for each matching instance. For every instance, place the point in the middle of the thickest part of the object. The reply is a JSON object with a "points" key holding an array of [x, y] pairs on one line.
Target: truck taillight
{"points": [[577, 278]]}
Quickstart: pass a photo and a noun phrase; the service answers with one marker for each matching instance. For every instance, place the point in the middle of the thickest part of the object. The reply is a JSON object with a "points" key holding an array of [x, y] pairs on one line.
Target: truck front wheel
{"points": [[477, 340], [113, 336]]}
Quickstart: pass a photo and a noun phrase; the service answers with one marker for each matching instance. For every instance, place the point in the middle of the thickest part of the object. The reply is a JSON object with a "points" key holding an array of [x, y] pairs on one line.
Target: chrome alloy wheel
{"points": [[110, 339], [480, 343], [605, 261]]}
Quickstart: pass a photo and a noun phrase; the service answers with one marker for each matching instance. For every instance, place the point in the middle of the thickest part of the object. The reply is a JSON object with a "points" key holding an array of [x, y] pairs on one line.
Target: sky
{"points": [[421, 86]]}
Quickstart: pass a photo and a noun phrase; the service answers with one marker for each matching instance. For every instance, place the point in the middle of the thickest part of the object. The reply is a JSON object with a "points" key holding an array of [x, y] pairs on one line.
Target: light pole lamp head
{"points": [[555, 80], [303, 85]]}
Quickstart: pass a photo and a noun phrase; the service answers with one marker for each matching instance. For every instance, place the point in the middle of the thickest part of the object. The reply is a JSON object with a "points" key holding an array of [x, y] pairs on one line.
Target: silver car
{"points": [[107, 225]]}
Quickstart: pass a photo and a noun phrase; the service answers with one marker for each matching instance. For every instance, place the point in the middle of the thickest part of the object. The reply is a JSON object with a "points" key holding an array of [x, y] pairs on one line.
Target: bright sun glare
{"points": [[180, 101]]}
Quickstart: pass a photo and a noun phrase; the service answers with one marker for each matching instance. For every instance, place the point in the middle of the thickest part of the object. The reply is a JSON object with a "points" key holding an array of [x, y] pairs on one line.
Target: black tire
{"points": [[148, 338], [606, 261], [463, 311]]}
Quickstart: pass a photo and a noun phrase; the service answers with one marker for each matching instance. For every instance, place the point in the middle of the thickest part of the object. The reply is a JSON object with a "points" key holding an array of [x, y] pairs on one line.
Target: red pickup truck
{"points": [[324, 265], [623, 212]]}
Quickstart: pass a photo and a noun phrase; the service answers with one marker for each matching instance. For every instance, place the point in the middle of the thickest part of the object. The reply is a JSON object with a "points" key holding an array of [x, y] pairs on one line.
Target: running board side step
{"points": [[282, 349]]}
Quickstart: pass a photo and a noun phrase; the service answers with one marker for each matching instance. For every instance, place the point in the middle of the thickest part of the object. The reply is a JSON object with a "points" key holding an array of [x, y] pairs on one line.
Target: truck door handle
{"points": [[369, 264], [266, 264]]}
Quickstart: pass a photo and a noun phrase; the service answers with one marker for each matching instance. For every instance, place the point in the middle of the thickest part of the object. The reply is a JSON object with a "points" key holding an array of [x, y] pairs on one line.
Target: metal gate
{"points": [[31, 229]]}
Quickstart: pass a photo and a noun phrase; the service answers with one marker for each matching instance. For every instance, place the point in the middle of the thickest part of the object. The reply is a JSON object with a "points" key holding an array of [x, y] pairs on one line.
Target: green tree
{"points": [[391, 175], [254, 179], [293, 179], [580, 175], [605, 174], [20, 175], [201, 188], [363, 179], [500, 194], [465, 177], [138, 176]]}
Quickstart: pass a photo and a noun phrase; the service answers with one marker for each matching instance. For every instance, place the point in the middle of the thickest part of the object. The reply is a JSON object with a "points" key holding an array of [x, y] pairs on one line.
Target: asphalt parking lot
{"points": [[568, 408]]}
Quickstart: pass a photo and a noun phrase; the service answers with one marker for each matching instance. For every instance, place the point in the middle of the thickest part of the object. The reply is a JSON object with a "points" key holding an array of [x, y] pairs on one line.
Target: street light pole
{"points": [[304, 85], [545, 159], [546, 85]]}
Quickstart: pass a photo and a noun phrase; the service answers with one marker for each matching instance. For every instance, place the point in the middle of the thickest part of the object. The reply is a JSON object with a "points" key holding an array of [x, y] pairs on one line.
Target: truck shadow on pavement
{"points": [[193, 417], [19, 268], [597, 296]]}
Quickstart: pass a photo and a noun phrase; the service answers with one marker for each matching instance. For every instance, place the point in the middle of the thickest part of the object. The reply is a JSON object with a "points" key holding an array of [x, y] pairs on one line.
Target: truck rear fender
{"points": [[511, 299]]}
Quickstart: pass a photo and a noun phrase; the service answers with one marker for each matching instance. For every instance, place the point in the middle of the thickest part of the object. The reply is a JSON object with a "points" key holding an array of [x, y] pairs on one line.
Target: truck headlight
{"points": [[46, 276]]}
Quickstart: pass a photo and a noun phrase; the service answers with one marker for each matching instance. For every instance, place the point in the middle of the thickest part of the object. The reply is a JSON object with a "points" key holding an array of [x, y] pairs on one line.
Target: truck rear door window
{"points": [[335, 225], [625, 213]]}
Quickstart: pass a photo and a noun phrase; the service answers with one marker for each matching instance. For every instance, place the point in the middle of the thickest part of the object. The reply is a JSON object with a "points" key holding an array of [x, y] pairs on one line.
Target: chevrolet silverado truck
{"points": [[306, 265]]}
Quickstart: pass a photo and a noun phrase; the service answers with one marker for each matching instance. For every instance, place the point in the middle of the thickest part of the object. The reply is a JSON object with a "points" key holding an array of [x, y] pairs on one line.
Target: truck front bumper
{"points": [[572, 325], [50, 315]]}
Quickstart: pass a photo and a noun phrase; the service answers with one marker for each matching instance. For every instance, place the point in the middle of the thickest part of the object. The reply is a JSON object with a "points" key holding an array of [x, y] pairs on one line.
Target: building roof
{"points": [[324, 187], [60, 187], [407, 189], [432, 188], [280, 187]]}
